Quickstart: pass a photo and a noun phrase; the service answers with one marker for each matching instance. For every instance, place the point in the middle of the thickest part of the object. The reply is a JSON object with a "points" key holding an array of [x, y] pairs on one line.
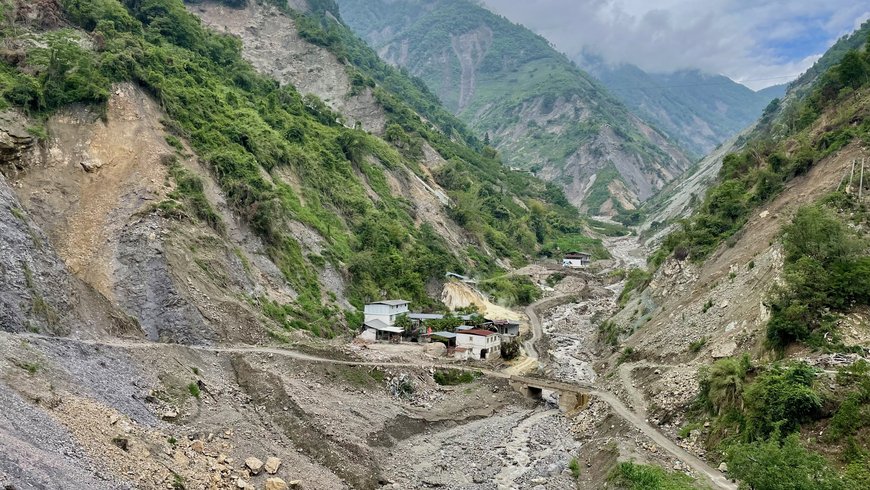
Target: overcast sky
{"points": [[756, 42]]}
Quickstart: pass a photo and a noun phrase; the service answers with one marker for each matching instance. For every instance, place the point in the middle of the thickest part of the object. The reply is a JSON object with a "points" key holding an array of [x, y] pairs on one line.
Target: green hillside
{"points": [[700, 111], [245, 126], [538, 109]]}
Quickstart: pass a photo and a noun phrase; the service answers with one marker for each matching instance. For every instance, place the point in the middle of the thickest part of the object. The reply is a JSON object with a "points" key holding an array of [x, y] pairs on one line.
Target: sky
{"points": [[756, 42]]}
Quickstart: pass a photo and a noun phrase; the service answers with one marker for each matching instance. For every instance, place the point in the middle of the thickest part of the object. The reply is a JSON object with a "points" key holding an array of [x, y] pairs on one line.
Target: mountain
{"points": [[537, 108], [758, 298], [698, 110], [180, 207]]}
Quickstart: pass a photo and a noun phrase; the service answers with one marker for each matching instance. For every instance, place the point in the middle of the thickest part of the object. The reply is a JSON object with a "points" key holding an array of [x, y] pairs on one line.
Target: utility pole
{"points": [[861, 186]]}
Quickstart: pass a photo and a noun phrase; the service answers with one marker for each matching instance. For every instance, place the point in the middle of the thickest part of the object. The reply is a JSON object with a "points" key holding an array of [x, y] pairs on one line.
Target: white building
{"points": [[483, 344], [576, 260], [386, 311]]}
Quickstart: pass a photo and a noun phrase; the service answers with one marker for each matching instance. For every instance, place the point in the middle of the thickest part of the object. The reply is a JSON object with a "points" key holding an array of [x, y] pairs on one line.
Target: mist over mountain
{"points": [[698, 110]]}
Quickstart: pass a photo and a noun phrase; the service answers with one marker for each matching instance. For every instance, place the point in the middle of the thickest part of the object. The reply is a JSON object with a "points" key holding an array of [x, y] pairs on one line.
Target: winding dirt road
{"points": [[709, 473]]}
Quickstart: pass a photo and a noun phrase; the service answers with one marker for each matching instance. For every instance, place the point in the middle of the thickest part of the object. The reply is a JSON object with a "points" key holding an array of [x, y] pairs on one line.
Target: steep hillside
{"points": [[749, 339], [286, 210], [697, 110], [538, 109]]}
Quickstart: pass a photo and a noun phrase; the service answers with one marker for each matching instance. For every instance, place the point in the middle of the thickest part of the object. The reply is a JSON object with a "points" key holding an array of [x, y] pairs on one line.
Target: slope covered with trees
{"points": [[252, 132], [536, 107], [699, 111]]}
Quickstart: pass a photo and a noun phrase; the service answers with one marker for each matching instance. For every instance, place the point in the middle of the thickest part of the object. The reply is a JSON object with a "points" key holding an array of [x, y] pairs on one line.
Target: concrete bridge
{"points": [[572, 397]]}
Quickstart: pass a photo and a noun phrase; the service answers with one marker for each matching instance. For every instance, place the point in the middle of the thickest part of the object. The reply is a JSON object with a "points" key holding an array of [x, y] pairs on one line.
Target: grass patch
{"points": [[634, 476], [194, 390], [574, 467], [454, 377]]}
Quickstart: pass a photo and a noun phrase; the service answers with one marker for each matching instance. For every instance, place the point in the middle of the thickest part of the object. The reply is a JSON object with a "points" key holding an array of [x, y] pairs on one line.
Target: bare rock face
{"points": [[35, 287], [15, 143]]}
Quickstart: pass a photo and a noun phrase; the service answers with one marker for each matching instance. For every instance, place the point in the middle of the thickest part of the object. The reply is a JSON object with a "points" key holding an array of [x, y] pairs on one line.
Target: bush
{"points": [[780, 400], [510, 350], [722, 385], [781, 465], [453, 377], [633, 476], [824, 270]]}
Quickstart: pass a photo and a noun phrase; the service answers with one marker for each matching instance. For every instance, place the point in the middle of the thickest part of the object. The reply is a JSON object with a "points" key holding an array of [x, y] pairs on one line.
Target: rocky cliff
{"points": [[538, 109]]}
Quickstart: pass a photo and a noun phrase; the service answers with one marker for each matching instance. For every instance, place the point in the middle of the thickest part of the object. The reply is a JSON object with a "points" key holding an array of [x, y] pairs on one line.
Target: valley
{"points": [[241, 248]]}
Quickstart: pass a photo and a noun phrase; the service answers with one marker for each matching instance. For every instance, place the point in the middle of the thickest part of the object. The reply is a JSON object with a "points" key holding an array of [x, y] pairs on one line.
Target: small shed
{"points": [[577, 260], [447, 338], [377, 330], [504, 327]]}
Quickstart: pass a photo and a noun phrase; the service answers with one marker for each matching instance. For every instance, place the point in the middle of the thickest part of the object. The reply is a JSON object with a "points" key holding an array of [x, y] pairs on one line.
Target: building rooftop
{"points": [[433, 316], [482, 333], [577, 255], [391, 302], [446, 335], [382, 327]]}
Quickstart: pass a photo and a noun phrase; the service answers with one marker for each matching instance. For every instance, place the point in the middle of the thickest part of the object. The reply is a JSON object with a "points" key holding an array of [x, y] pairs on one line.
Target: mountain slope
{"points": [[250, 207], [699, 111], [538, 109], [761, 296]]}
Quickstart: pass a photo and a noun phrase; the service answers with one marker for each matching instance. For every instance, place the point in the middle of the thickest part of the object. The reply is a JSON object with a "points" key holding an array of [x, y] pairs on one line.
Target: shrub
{"points": [[453, 377], [781, 465], [633, 476], [510, 349], [194, 390], [722, 384], [780, 399]]}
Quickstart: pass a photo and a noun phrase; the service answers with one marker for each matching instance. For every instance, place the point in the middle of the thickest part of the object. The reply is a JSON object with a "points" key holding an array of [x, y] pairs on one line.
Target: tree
{"points": [[403, 322]]}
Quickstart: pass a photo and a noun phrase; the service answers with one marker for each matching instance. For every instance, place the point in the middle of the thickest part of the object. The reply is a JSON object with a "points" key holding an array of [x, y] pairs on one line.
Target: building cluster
{"points": [[481, 341]]}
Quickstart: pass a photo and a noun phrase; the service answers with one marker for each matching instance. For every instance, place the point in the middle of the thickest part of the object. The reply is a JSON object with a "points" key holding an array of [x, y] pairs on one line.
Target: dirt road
{"points": [[712, 475]]}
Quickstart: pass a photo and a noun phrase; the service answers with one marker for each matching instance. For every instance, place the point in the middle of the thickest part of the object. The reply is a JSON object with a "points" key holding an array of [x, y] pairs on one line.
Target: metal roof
{"points": [[391, 302], [382, 327], [433, 316], [482, 333], [464, 327], [446, 335]]}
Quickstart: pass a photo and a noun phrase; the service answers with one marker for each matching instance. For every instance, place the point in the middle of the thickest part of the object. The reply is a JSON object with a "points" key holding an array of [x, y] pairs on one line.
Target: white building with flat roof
{"points": [[386, 311], [483, 344]]}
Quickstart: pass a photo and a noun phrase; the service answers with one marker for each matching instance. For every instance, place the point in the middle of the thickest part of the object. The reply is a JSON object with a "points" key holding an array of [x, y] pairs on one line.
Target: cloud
{"points": [[760, 43]]}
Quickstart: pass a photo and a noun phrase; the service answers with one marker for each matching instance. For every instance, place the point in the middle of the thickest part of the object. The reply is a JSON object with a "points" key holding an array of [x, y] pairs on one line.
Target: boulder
{"points": [[723, 467], [198, 446], [272, 465], [276, 484], [255, 465]]}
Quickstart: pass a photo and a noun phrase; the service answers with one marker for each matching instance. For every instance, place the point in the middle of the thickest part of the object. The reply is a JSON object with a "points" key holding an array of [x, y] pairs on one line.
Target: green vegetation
{"points": [[758, 415], [510, 349], [827, 270], [634, 476], [244, 125], [454, 377], [512, 290], [635, 280], [574, 467], [194, 390], [758, 173], [519, 79]]}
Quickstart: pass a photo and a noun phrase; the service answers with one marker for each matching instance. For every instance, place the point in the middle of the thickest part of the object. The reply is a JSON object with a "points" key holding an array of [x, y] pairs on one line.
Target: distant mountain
{"points": [[698, 110], [538, 108]]}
